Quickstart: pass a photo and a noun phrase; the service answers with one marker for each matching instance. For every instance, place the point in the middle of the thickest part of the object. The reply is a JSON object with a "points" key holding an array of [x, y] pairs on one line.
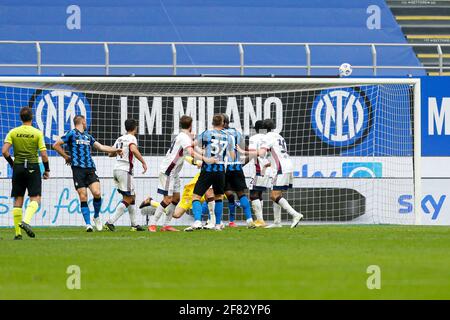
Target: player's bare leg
{"points": [[129, 202], [277, 198], [132, 214], [169, 213], [179, 212]]}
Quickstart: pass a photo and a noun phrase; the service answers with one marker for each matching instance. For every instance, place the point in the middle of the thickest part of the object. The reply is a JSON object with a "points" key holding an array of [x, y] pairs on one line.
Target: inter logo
{"points": [[339, 116], [56, 109]]}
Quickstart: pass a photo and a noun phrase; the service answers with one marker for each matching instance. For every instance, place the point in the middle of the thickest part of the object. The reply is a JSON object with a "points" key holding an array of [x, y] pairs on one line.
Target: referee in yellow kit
{"points": [[26, 141]]}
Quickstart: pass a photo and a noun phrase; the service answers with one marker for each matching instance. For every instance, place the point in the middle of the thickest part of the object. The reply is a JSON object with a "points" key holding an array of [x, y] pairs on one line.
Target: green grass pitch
{"points": [[310, 262]]}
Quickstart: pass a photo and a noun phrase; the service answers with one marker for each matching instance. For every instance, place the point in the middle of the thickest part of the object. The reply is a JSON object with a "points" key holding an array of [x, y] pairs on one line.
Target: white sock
{"points": [[262, 207], [286, 206], [158, 213], [169, 213], [212, 215], [257, 209], [132, 213], [120, 210], [276, 213]]}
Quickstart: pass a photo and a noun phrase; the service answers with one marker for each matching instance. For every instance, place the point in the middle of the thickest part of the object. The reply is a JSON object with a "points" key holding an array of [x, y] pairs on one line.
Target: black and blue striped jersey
{"points": [[216, 144], [235, 164], [80, 144]]}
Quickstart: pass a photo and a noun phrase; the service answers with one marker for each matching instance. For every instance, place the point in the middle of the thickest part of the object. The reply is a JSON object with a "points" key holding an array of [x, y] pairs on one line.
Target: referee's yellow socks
{"points": [[32, 207], [17, 214]]}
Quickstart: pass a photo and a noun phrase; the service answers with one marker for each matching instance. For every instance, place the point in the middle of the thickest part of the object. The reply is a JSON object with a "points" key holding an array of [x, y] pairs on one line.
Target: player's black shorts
{"points": [[235, 180], [84, 177], [28, 178], [208, 179]]}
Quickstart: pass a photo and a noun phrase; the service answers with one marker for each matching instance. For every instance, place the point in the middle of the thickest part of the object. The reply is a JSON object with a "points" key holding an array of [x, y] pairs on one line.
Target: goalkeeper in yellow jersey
{"points": [[26, 141], [185, 203]]}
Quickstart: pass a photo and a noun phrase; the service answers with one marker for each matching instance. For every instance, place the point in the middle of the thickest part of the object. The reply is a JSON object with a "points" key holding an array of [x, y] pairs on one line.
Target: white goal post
{"points": [[355, 142]]}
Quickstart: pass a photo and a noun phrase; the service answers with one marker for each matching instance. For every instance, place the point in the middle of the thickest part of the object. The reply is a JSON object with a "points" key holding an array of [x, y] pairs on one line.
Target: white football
{"points": [[345, 70]]}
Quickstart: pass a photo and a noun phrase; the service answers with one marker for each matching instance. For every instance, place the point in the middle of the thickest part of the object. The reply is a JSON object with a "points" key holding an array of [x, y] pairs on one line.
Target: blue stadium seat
{"points": [[197, 20]]}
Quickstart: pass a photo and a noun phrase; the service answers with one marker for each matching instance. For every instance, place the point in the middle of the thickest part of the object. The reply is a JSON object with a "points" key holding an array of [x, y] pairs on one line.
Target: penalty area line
{"points": [[92, 239]]}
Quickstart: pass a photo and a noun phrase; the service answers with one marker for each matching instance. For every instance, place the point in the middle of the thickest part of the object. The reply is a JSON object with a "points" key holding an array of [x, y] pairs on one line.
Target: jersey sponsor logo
{"points": [[84, 142], [56, 109], [340, 116]]}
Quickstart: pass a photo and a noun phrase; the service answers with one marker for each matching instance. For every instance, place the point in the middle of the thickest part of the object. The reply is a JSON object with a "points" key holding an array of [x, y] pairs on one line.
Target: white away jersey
{"points": [[173, 161], [126, 160], [277, 152], [255, 142]]}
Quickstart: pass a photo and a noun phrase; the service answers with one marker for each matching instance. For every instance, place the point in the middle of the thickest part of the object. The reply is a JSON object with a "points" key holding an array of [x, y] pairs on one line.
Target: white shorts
{"points": [[168, 185], [124, 182], [260, 183], [282, 181]]}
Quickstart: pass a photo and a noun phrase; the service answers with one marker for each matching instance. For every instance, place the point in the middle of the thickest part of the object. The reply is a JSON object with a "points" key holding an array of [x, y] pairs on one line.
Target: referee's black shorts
{"points": [[208, 179], [26, 178], [84, 177], [235, 181]]}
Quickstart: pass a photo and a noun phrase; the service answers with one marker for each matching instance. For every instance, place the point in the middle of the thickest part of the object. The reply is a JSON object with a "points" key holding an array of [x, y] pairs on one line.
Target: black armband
{"points": [[10, 161], [46, 166]]}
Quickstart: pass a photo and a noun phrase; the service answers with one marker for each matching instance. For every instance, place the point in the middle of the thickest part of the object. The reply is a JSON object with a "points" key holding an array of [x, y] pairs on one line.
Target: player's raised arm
{"points": [[196, 155], [193, 161], [135, 150], [113, 154], [250, 154], [262, 152], [196, 152], [107, 149], [265, 146]]}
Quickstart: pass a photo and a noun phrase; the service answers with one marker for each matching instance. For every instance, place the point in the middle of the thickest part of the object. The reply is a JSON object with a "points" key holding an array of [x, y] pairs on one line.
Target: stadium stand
{"points": [[425, 21], [213, 21]]}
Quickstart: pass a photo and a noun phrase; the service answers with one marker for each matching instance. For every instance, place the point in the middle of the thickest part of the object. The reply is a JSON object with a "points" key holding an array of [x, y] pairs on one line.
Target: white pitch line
{"points": [[93, 239]]}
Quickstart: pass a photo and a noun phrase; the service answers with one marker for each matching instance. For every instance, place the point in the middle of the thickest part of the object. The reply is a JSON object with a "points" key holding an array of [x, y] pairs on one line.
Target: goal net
{"points": [[352, 141]]}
